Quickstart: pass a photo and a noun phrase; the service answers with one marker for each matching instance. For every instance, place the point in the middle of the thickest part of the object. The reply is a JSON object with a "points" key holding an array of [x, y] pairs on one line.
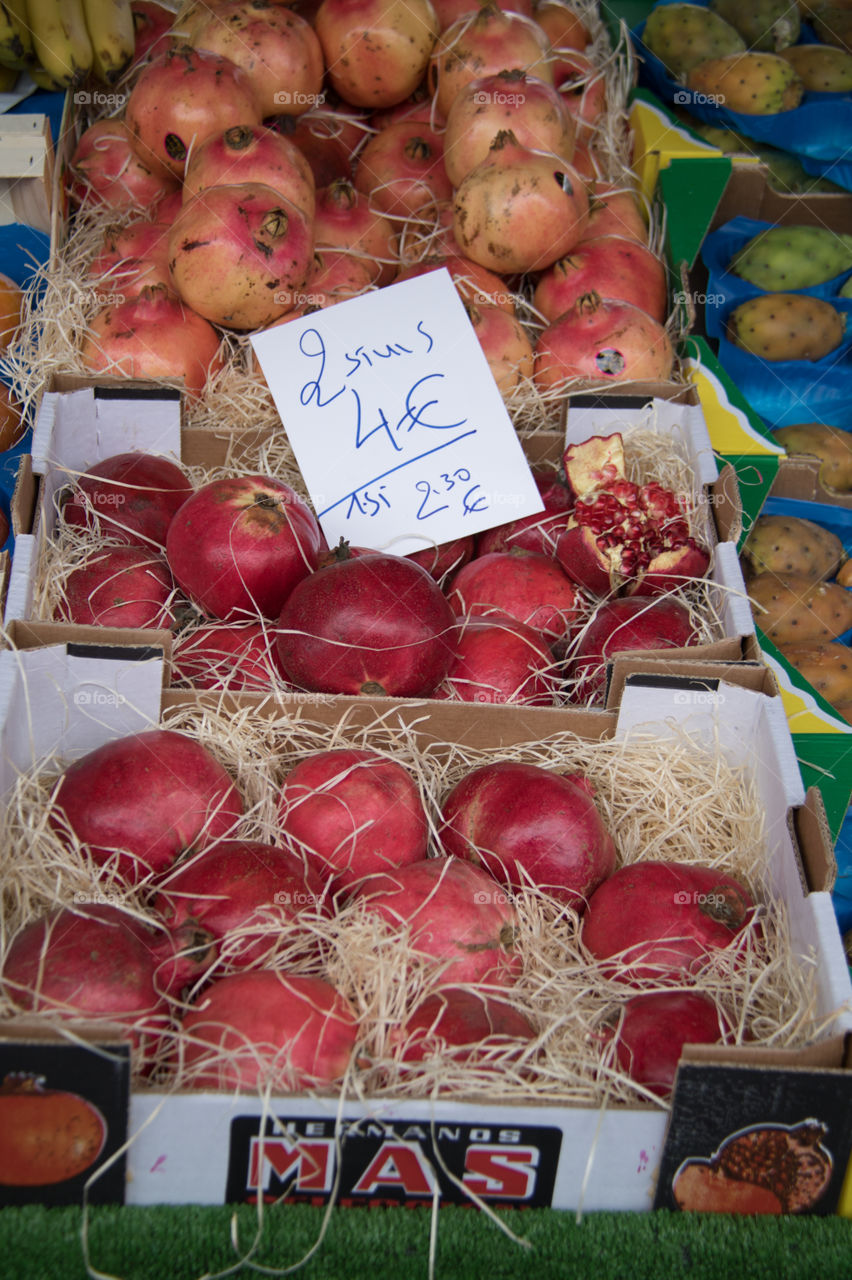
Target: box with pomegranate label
{"points": [[514, 1066], [691, 514]]}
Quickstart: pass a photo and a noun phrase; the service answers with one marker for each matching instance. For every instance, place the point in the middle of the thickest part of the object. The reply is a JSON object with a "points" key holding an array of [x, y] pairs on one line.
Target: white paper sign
{"points": [[396, 422]]}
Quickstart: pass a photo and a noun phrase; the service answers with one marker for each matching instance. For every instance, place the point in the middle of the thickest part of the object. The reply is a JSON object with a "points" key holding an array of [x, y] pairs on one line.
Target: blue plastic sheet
{"points": [[820, 128]]}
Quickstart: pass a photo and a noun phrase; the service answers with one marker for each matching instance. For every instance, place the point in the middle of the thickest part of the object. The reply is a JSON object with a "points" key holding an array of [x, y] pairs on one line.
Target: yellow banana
{"points": [[16, 43], [44, 80], [113, 37], [60, 40], [8, 78]]}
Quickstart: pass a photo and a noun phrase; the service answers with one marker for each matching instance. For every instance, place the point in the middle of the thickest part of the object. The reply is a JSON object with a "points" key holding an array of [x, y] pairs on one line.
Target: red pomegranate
{"points": [[233, 656], [119, 587], [562, 25], [130, 496], [622, 625], [401, 169], [344, 219], [444, 558], [523, 585], [153, 335], [493, 40], [143, 800], [321, 144], [456, 917], [467, 1026], [376, 51], [536, 532], [602, 340], [152, 23], [653, 1028], [182, 97], [499, 660], [238, 254], [519, 209], [611, 266], [246, 153], [96, 963], [353, 813], [663, 920], [582, 84], [615, 211], [105, 170], [475, 285], [530, 826], [133, 257], [246, 894], [264, 1029], [240, 544], [371, 624]]}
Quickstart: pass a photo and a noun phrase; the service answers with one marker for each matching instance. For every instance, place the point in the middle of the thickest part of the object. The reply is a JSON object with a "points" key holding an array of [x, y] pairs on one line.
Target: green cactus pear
{"points": [[791, 609], [822, 68], [766, 25], [754, 84], [832, 445], [682, 35], [826, 666], [791, 544], [786, 326], [845, 290], [784, 258]]}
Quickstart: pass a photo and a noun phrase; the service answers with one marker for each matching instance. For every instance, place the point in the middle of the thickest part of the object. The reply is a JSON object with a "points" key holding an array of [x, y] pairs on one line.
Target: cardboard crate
{"points": [[209, 1148], [82, 420]]}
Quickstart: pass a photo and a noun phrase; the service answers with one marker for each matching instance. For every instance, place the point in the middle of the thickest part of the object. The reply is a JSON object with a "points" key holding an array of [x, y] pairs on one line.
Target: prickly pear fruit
{"points": [[682, 35], [826, 666], [767, 25], [786, 326], [754, 84], [834, 26], [791, 609], [795, 257], [832, 445], [845, 290], [791, 544], [822, 68], [844, 574]]}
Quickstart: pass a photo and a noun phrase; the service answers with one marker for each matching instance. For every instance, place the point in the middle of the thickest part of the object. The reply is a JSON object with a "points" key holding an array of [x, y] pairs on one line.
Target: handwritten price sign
{"points": [[395, 420]]}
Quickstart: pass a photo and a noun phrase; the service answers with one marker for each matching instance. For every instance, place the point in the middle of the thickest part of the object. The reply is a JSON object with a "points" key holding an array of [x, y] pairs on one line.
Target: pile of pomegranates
{"points": [[256, 135]]}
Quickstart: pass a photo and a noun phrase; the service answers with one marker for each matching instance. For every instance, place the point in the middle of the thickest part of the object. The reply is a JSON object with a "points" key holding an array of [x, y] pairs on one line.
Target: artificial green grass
{"points": [[188, 1242]]}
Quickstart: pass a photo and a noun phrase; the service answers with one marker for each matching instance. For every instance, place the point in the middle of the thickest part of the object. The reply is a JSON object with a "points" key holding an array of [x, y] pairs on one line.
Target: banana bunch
{"points": [[61, 42]]}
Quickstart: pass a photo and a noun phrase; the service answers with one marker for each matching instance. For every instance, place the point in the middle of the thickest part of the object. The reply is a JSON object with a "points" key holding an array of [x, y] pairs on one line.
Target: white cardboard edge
{"points": [[681, 421], [737, 617], [19, 593], [76, 429]]}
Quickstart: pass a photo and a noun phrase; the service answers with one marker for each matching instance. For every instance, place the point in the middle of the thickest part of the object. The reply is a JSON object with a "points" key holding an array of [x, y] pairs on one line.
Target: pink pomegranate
{"points": [[372, 624], [239, 254], [519, 209], [523, 585], [152, 22], [345, 220], [536, 532], [401, 169], [611, 266], [265, 1029], [499, 660], [240, 544], [134, 257], [235, 656], [468, 1026], [455, 916], [622, 536], [182, 97], [246, 153], [602, 340], [475, 285], [444, 558], [530, 107], [663, 920], [527, 825], [493, 40], [119, 587], [376, 51], [321, 145], [95, 962], [623, 625], [653, 1028], [582, 86], [129, 496], [248, 895], [449, 11], [562, 25], [352, 812], [141, 801], [505, 345], [105, 170], [615, 211], [153, 335], [277, 49]]}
